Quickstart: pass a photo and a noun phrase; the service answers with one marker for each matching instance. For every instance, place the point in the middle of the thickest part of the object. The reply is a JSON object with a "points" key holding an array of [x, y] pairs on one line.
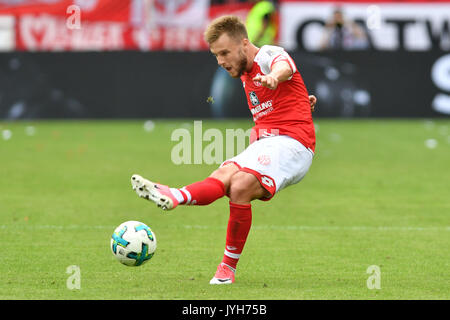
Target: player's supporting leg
{"points": [[199, 193], [244, 187]]}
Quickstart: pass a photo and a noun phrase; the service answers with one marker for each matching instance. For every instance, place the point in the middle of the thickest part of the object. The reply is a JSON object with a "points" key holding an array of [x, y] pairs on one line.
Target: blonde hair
{"points": [[231, 25]]}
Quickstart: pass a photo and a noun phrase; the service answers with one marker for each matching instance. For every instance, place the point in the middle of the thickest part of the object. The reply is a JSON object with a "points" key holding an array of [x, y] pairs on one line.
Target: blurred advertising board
{"points": [[160, 84], [105, 25]]}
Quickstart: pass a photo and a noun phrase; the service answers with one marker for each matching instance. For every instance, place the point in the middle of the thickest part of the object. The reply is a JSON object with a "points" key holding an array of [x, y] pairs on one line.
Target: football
{"points": [[133, 243]]}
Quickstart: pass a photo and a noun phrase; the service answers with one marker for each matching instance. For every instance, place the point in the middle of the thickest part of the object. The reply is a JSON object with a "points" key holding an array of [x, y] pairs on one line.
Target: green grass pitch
{"points": [[375, 195]]}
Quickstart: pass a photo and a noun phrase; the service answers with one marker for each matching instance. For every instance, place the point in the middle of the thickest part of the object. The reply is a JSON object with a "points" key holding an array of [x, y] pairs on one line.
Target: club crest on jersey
{"points": [[253, 98]]}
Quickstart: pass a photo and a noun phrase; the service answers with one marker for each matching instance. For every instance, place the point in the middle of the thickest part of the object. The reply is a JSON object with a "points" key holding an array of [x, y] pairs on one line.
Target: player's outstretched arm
{"points": [[281, 71]]}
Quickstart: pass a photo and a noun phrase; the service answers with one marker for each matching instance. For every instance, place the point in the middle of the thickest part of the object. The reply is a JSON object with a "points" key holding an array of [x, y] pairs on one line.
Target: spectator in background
{"points": [[343, 34], [261, 23]]}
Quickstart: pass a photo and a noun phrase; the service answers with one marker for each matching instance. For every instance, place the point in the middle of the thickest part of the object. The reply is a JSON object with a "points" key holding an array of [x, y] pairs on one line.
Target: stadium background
{"points": [[84, 106], [106, 68]]}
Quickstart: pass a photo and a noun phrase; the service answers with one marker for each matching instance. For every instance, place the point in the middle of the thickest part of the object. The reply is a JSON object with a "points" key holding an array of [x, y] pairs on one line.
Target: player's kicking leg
{"points": [[199, 193]]}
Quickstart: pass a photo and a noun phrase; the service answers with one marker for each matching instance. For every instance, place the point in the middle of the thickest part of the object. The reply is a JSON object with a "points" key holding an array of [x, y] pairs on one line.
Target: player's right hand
{"points": [[312, 102], [267, 81]]}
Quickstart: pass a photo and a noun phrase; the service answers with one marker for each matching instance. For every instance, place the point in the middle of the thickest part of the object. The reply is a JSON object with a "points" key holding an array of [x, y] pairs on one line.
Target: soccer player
{"points": [[281, 144]]}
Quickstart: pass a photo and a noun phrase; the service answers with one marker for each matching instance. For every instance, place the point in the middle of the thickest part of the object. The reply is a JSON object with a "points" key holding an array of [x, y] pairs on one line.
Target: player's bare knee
{"points": [[224, 174], [244, 187]]}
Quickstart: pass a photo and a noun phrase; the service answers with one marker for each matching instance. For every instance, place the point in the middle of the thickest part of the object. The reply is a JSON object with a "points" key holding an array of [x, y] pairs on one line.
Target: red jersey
{"points": [[283, 111]]}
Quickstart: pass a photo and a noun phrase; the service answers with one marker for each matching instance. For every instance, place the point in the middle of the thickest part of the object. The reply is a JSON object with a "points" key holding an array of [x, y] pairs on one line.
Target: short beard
{"points": [[242, 65]]}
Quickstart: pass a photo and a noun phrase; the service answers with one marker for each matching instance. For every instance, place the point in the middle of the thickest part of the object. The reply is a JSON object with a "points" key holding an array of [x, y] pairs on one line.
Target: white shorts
{"points": [[277, 162]]}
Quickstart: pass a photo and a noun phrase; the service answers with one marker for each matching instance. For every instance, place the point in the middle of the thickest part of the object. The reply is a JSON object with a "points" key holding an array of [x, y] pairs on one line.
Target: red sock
{"points": [[203, 192], [239, 225]]}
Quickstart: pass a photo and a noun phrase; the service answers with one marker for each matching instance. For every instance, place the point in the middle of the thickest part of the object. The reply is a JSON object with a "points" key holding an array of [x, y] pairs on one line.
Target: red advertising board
{"points": [[102, 25]]}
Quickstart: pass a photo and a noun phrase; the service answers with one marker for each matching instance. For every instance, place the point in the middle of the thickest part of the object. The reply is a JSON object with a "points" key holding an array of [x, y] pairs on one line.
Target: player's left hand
{"points": [[267, 81], [312, 102]]}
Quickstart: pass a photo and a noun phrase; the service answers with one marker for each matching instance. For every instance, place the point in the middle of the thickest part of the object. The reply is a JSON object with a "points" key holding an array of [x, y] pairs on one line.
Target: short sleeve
{"points": [[269, 55]]}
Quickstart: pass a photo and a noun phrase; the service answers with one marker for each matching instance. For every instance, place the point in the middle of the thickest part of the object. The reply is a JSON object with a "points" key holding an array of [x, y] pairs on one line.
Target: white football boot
{"points": [[158, 193]]}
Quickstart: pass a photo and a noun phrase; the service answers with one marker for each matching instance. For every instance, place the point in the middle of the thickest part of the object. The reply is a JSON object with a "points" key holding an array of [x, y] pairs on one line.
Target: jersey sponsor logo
{"points": [[262, 114], [261, 107], [253, 98]]}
